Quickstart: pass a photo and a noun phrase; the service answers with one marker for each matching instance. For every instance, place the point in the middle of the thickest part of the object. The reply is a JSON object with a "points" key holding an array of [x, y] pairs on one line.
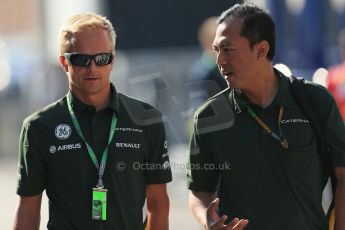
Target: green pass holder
{"points": [[99, 194], [99, 204]]}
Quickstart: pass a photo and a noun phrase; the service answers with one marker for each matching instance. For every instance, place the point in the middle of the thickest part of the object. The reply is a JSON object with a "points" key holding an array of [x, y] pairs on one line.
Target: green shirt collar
{"points": [[78, 106], [240, 100]]}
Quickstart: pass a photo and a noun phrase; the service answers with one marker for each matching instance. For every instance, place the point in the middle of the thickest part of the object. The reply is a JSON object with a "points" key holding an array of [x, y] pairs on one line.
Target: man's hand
{"points": [[204, 207], [215, 222]]}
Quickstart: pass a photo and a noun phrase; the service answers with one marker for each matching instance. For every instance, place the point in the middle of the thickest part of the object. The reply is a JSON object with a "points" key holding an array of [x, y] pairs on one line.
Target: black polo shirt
{"points": [[254, 176], [54, 158]]}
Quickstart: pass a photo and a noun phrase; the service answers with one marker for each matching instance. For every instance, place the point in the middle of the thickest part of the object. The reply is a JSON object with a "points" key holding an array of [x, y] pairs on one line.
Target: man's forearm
{"points": [[198, 203], [157, 207], [28, 213], [157, 221], [26, 221], [158, 216], [340, 206], [340, 199]]}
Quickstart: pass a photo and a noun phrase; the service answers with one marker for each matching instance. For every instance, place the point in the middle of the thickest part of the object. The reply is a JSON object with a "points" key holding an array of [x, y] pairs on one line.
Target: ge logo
{"points": [[63, 131]]}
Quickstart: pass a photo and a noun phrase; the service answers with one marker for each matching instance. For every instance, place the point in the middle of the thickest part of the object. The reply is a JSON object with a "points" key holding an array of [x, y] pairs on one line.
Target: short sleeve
{"points": [[199, 178], [158, 169], [31, 166]]}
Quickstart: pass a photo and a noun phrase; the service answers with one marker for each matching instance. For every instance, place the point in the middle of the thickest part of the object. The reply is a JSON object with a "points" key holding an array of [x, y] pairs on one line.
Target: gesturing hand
{"points": [[214, 222]]}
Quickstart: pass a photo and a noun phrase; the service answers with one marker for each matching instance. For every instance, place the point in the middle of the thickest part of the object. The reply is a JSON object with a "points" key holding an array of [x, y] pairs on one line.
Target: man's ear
{"points": [[262, 49], [63, 63]]}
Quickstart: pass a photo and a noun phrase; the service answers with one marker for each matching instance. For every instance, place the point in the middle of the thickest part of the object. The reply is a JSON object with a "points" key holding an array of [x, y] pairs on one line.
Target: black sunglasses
{"points": [[85, 59]]}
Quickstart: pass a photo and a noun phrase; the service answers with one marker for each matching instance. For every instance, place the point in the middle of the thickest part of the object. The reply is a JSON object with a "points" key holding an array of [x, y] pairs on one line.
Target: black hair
{"points": [[257, 24]]}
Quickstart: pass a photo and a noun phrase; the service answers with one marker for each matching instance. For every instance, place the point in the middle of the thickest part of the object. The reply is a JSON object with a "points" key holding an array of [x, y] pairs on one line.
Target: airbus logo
{"points": [[54, 149]]}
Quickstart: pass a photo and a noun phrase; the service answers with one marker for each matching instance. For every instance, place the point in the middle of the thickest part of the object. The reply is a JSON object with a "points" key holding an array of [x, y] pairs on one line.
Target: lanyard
{"points": [[100, 167], [281, 138]]}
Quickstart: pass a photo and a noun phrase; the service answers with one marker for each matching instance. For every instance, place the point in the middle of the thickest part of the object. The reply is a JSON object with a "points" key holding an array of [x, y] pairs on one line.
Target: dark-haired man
{"points": [[266, 172]]}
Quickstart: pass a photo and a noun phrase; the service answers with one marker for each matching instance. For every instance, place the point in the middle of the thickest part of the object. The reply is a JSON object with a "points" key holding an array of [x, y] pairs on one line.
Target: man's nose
{"points": [[221, 60], [92, 65]]}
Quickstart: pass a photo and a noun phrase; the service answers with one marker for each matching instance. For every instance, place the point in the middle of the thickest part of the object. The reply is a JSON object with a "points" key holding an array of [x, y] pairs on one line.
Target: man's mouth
{"points": [[90, 79], [227, 74]]}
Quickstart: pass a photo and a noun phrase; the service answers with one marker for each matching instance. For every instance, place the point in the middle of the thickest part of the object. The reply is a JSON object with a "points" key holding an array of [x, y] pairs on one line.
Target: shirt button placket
{"points": [[94, 128]]}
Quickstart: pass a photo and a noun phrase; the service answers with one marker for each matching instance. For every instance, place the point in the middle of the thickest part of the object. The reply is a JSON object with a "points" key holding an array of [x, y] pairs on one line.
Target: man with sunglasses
{"points": [[92, 149]]}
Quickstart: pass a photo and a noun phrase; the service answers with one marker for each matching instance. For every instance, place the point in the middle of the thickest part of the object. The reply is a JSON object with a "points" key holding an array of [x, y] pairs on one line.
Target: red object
{"points": [[336, 85]]}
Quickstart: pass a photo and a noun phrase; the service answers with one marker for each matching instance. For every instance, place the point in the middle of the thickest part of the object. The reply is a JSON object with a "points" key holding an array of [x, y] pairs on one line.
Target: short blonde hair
{"points": [[80, 22]]}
